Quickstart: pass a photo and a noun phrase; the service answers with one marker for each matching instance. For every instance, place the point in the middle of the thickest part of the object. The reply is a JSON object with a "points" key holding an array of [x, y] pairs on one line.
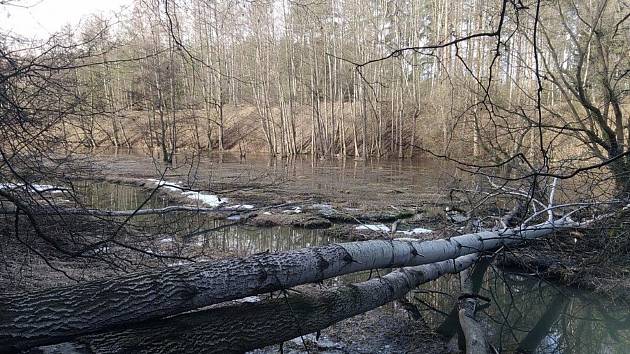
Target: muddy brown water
{"points": [[523, 312]]}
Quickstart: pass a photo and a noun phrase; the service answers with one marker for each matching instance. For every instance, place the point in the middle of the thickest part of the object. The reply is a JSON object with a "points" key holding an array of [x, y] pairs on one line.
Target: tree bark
{"points": [[242, 327]]}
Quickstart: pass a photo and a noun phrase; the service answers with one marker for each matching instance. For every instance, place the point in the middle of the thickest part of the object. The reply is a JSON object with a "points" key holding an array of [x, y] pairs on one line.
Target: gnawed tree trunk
{"points": [[247, 326], [51, 315]]}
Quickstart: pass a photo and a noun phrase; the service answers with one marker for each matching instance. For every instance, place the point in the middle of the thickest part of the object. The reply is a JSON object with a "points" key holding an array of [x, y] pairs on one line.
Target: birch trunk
{"points": [[51, 315], [243, 327]]}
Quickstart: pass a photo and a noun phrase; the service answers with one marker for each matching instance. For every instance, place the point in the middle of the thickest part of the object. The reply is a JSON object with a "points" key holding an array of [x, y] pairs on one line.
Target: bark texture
{"points": [[54, 315], [243, 327]]}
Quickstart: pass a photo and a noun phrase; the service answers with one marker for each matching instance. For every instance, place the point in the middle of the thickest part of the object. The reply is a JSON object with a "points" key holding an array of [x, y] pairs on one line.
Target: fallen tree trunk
{"points": [[242, 327], [53, 315], [474, 337]]}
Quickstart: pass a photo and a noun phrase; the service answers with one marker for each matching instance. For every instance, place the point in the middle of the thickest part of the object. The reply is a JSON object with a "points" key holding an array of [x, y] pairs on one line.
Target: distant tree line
{"points": [[485, 80]]}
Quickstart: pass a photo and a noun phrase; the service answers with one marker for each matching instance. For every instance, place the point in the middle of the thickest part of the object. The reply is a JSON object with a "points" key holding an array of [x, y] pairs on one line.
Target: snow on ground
{"points": [[385, 228], [45, 188], [169, 186], [374, 227], [240, 206], [210, 200], [296, 210], [249, 299], [33, 187], [418, 230]]}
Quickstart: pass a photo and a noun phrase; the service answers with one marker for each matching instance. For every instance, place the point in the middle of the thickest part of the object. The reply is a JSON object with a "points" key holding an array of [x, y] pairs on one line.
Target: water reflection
{"points": [[424, 175], [111, 196], [532, 316], [196, 229], [243, 240]]}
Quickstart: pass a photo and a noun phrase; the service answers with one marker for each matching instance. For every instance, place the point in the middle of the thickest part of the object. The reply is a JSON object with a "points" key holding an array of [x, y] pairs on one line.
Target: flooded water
{"points": [[112, 196], [409, 179], [210, 235], [524, 313]]}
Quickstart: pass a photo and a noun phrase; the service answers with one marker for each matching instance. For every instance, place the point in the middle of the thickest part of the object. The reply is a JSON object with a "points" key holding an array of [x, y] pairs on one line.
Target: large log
{"points": [[474, 335], [243, 327], [53, 315]]}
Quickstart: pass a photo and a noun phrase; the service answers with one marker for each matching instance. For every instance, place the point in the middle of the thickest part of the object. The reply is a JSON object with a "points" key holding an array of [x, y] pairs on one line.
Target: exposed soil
{"points": [[388, 329]]}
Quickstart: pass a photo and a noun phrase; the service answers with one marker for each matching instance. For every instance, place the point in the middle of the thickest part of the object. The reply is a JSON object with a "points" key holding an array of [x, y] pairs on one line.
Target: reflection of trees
{"points": [[195, 234], [529, 315], [542, 328]]}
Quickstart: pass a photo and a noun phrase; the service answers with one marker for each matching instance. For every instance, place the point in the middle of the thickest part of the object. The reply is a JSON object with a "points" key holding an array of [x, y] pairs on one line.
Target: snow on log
{"points": [[52, 315]]}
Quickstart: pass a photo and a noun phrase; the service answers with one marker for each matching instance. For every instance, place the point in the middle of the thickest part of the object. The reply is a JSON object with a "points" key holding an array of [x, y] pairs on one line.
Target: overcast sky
{"points": [[39, 18]]}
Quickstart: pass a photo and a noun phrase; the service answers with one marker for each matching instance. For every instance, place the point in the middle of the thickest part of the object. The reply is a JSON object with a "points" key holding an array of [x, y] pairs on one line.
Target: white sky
{"points": [[40, 18]]}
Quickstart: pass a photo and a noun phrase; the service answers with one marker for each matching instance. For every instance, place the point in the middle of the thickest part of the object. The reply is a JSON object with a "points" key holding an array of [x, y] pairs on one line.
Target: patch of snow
{"points": [[322, 206], [167, 240], [296, 210], [210, 200], [406, 239], [170, 186], [33, 187], [374, 227], [234, 217], [239, 206], [249, 299], [417, 230], [101, 249], [267, 213], [45, 188]]}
